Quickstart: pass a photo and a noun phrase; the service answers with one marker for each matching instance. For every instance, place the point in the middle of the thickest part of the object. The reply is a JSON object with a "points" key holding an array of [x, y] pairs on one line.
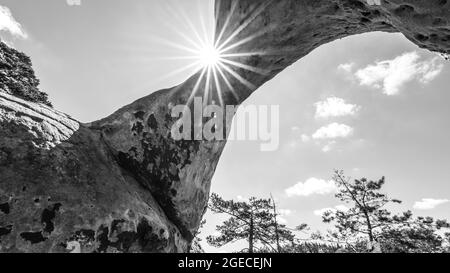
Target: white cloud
{"points": [[335, 107], [328, 147], [430, 70], [320, 212], [333, 131], [342, 208], [310, 187], [392, 75], [73, 2], [240, 198], [284, 212], [429, 203], [347, 67], [9, 24], [305, 138], [298, 134]]}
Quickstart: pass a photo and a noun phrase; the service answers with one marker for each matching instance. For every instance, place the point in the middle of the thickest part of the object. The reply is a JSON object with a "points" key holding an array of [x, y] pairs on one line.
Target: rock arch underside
{"points": [[122, 184]]}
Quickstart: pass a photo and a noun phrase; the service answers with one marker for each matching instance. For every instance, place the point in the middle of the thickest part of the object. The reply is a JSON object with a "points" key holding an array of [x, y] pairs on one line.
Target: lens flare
{"points": [[215, 58], [209, 56]]}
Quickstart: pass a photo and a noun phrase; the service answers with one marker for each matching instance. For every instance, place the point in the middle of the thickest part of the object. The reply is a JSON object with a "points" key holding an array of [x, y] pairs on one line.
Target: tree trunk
{"points": [[277, 235], [369, 228], [123, 183], [251, 235]]}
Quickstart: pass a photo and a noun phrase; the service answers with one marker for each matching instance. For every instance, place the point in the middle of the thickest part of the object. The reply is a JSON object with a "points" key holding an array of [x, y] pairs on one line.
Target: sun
{"points": [[209, 56], [216, 58]]}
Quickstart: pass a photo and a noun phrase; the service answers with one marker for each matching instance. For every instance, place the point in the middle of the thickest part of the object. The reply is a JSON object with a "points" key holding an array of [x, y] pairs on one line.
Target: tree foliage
{"points": [[368, 224], [17, 76], [253, 221]]}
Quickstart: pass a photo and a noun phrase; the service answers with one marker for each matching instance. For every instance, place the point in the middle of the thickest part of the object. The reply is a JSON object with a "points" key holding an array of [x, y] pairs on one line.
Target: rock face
{"points": [[62, 190], [123, 184]]}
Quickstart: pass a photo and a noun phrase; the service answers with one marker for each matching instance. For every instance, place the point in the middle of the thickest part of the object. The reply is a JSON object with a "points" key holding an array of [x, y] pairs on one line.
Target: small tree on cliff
{"points": [[253, 221]]}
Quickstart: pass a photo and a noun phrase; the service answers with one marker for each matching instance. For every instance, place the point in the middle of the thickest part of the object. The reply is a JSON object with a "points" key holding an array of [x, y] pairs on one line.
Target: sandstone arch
{"points": [[121, 183]]}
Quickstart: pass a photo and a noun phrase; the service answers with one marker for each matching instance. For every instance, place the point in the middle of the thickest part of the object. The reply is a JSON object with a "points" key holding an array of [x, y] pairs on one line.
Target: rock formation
{"points": [[122, 184]]}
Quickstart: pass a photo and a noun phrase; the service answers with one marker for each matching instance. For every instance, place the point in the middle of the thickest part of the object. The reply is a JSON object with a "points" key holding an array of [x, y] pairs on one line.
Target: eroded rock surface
{"points": [[62, 190], [122, 184]]}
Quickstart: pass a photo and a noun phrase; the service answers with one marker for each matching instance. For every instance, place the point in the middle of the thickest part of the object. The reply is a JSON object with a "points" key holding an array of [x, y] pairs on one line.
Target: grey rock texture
{"points": [[122, 184], [61, 190]]}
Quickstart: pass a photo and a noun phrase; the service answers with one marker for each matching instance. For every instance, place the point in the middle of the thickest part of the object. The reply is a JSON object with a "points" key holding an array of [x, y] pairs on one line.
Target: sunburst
{"points": [[213, 55]]}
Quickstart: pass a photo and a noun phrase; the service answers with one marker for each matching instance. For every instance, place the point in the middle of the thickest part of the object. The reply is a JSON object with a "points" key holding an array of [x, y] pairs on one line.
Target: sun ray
{"points": [[241, 42], [196, 66], [258, 11], [184, 36], [238, 77], [227, 82], [247, 67], [243, 54], [175, 45], [192, 28], [196, 86], [213, 56], [193, 57], [207, 86], [226, 23], [206, 36], [217, 84]]}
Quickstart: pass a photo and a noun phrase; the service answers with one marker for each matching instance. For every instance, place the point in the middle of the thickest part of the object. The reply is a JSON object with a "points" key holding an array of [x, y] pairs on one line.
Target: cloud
{"points": [[333, 131], [285, 212], [282, 213], [329, 146], [240, 198], [305, 138], [73, 2], [335, 107], [310, 187], [9, 24], [298, 134], [347, 67], [429, 203], [320, 212], [391, 75]]}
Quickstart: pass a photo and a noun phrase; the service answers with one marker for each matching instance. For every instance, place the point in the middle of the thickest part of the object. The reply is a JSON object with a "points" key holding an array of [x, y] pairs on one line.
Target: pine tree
{"points": [[368, 222], [253, 221]]}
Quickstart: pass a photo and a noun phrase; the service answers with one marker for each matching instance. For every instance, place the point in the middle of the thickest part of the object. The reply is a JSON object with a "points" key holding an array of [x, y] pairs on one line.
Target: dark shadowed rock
{"points": [[122, 184]]}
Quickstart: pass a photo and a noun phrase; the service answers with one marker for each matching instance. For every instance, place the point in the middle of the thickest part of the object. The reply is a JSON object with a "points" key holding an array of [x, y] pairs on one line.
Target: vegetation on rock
{"points": [[17, 76]]}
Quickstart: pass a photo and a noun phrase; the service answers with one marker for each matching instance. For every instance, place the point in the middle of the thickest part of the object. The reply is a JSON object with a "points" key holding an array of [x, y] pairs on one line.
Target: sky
{"points": [[372, 105]]}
